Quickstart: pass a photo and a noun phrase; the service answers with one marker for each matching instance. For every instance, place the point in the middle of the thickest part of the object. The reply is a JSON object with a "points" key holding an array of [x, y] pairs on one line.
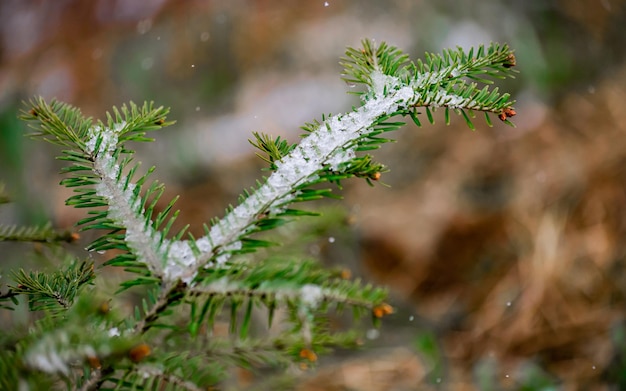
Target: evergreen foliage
{"points": [[43, 234], [190, 284]]}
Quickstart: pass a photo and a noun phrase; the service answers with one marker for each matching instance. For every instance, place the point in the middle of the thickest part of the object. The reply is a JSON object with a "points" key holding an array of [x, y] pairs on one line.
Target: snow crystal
{"points": [[90, 145], [181, 253], [222, 258], [340, 157], [50, 354], [279, 206], [421, 80], [454, 101], [204, 244], [311, 295], [242, 212], [180, 262], [107, 138], [382, 83], [50, 362]]}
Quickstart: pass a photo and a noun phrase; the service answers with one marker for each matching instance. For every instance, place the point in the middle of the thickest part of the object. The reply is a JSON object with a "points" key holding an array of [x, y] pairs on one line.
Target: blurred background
{"points": [[503, 248]]}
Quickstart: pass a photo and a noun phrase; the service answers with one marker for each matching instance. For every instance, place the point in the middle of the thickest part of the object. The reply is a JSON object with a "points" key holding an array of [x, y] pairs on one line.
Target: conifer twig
{"points": [[327, 153], [202, 274]]}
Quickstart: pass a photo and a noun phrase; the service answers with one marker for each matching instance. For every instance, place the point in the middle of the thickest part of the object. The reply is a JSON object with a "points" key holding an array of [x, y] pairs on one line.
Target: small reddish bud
{"points": [[345, 274], [381, 310], [510, 61], [376, 176], [139, 352], [104, 308], [509, 112], [93, 362], [506, 113], [308, 354]]}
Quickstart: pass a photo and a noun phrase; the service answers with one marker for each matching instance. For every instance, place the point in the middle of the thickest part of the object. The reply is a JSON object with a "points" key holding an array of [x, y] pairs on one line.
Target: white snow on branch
{"points": [[329, 146], [124, 206], [311, 295], [54, 353]]}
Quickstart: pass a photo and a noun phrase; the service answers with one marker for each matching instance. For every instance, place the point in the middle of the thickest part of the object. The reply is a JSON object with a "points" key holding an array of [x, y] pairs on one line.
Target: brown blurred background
{"points": [[503, 248]]}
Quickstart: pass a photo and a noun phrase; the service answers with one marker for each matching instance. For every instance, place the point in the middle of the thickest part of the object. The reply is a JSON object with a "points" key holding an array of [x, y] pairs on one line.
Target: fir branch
{"points": [[203, 272], [305, 288], [97, 153], [158, 378], [392, 90], [304, 282], [327, 154], [81, 348], [252, 352], [54, 291], [57, 123], [168, 296], [6, 297], [44, 234]]}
